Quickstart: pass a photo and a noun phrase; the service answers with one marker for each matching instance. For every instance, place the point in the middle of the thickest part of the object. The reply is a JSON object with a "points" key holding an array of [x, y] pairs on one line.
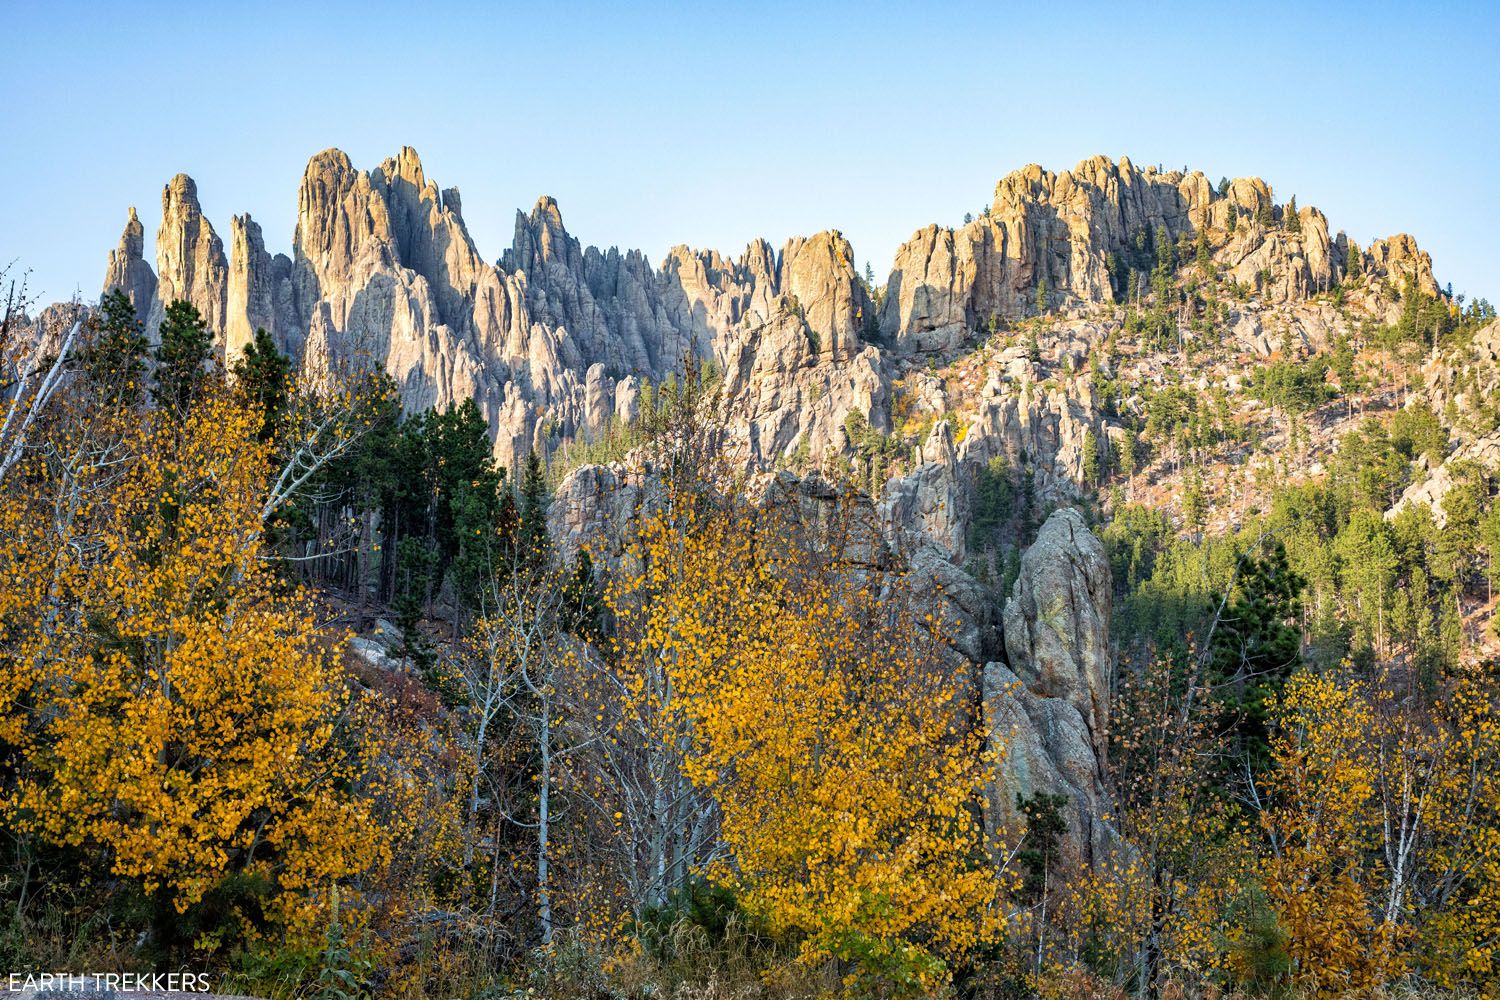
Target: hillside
{"points": [[1122, 515]]}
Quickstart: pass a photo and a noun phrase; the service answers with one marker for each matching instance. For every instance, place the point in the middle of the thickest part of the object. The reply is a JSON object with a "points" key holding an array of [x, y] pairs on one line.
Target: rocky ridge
{"points": [[921, 383], [553, 340]]}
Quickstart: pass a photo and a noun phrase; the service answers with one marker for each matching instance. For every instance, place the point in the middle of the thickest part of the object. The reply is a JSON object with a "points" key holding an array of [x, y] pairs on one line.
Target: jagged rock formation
{"points": [[1057, 619], [552, 341], [259, 291], [1048, 706], [128, 270], [190, 261], [1079, 232], [929, 505], [555, 340], [1022, 420], [1396, 260], [1059, 228]]}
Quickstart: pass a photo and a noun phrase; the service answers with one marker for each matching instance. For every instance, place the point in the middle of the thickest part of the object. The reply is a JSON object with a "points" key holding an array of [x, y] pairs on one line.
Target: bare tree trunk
{"points": [[544, 824]]}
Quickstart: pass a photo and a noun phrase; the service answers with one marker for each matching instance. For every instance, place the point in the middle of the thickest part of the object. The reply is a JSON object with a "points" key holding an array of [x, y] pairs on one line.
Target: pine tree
{"points": [[1291, 217], [533, 509], [1166, 255], [182, 357], [1091, 457], [1234, 217], [1489, 540], [1265, 214], [1128, 457], [584, 609], [1045, 827], [1041, 297], [1256, 645], [1194, 506], [264, 376], [116, 360], [467, 490]]}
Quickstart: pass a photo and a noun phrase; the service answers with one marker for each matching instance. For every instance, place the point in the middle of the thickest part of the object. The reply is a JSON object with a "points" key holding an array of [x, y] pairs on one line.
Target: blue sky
{"points": [[713, 124]]}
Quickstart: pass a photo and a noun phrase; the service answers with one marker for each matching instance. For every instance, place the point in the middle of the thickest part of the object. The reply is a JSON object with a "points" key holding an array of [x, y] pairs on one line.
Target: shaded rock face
{"points": [[1027, 424], [930, 504], [555, 341], [259, 294], [1057, 619], [1047, 749], [1049, 707]]}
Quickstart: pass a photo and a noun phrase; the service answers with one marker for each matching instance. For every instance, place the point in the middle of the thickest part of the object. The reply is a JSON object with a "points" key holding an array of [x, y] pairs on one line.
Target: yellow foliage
{"points": [[819, 716], [1385, 831], [1318, 879], [1461, 941], [1167, 896], [170, 704]]}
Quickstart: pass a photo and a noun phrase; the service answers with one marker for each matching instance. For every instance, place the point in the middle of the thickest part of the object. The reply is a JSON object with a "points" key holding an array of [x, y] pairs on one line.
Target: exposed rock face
{"points": [[1029, 425], [1470, 381], [555, 340], [1057, 619], [591, 504], [259, 294], [930, 505], [1463, 387], [1081, 231], [1397, 260], [190, 262], [1283, 266], [1430, 491], [1047, 749], [128, 270], [1050, 706], [359, 300], [1060, 228], [384, 269]]}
